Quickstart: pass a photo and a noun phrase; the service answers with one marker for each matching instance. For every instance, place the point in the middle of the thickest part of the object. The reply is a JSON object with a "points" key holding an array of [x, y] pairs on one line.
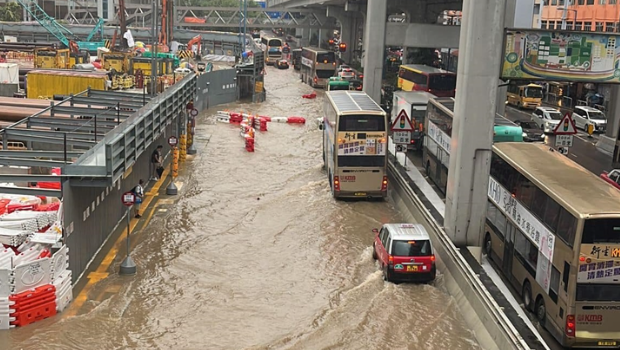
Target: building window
{"points": [[543, 24], [569, 25], [599, 26], [587, 26], [554, 2], [601, 2], [578, 25], [609, 27], [582, 2], [545, 2], [551, 25], [590, 2], [561, 2], [612, 2]]}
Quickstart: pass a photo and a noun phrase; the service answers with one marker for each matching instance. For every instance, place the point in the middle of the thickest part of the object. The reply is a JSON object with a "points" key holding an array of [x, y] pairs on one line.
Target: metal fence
{"points": [[216, 88]]}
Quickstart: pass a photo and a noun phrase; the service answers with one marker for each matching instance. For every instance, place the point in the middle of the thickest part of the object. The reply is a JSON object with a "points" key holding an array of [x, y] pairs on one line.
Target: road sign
{"points": [[402, 137], [194, 112], [566, 126], [128, 198], [563, 150], [172, 141], [564, 140], [402, 122], [401, 148]]}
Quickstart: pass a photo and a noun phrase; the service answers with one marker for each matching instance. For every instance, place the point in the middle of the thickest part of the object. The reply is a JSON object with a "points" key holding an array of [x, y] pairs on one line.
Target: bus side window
{"points": [[565, 275]]}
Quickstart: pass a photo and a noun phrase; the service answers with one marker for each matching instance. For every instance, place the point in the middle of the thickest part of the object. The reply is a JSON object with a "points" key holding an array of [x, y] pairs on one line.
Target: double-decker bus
{"points": [[418, 77], [525, 96], [317, 66], [355, 145], [272, 48], [553, 229], [438, 133]]}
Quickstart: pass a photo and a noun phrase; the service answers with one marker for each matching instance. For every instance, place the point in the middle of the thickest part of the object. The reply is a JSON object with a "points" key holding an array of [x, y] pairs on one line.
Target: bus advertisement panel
{"points": [[317, 66], [438, 133], [561, 251], [272, 48], [355, 145], [418, 77]]}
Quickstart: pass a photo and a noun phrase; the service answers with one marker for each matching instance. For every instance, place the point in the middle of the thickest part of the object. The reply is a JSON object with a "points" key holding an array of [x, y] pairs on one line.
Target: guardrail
{"points": [[484, 316], [127, 142]]}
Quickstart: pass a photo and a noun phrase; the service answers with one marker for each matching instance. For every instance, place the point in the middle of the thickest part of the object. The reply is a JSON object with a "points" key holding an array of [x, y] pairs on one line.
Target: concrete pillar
{"points": [[480, 50], [305, 37], [607, 143], [374, 47]]}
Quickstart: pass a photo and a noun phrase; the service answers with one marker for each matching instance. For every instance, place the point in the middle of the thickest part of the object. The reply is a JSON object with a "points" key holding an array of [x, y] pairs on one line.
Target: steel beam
{"points": [[38, 154], [30, 191], [91, 101], [81, 136], [53, 140], [71, 122], [31, 162], [94, 182], [100, 113], [117, 96], [29, 178]]}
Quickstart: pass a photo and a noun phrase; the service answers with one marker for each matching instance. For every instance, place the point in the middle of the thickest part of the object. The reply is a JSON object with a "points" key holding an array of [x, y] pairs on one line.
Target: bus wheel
{"points": [[487, 245], [526, 294], [541, 310]]}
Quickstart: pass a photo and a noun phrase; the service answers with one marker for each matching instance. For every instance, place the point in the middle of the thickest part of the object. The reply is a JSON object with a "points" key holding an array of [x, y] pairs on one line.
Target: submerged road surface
{"points": [[255, 254]]}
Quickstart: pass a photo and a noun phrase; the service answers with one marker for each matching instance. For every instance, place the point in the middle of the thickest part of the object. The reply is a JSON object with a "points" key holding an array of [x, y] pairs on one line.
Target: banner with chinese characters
{"points": [[371, 143], [599, 263], [531, 227], [439, 136]]}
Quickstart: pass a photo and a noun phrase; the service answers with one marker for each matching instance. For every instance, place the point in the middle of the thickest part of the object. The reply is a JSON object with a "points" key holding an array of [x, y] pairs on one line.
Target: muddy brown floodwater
{"points": [[255, 254]]}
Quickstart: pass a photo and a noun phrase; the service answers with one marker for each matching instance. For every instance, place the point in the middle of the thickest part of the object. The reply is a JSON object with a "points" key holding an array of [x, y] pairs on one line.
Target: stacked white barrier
{"points": [[35, 282]]}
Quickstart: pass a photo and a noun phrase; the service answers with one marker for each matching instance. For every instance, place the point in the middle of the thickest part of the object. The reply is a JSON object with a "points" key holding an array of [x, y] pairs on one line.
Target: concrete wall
{"points": [[481, 313], [215, 88], [93, 213]]}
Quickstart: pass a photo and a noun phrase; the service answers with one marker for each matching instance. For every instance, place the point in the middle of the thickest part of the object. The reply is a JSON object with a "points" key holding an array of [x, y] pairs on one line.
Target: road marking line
{"points": [[81, 298], [573, 155]]}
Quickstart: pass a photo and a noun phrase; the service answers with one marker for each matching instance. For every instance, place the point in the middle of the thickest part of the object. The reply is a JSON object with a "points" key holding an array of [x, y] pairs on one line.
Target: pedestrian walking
{"points": [[157, 163], [138, 192]]}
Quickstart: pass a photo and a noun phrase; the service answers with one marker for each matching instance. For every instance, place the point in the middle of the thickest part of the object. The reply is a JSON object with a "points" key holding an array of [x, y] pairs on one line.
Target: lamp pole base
{"points": [[128, 267], [172, 189]]}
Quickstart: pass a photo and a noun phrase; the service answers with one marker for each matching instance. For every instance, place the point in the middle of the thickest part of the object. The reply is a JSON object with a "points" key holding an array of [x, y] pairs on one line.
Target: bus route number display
{"points": [[402, 137]]}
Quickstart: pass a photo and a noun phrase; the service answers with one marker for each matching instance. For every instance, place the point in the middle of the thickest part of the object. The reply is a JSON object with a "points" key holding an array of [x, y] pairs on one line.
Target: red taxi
{"points": [[405, 253]]}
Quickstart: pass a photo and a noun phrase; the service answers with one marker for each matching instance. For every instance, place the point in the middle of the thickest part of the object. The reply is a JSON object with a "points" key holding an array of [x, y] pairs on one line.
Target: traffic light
{"points": [[342, 47]]}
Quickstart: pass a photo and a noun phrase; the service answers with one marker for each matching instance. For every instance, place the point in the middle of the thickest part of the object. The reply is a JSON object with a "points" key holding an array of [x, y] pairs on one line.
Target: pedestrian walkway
{"points": [[115, 247]]}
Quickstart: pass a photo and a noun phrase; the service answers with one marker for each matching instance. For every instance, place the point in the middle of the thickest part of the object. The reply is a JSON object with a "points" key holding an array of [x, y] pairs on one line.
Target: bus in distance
{"points": [[559, 249], [418, 77], [438, 133], [524, 96], [355, 145], [317, 66], [415, 104], [272, 48]]}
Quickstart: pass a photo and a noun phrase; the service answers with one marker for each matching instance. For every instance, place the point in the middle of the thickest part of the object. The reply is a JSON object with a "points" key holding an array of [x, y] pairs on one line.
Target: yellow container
{"points": [[47, 83]]}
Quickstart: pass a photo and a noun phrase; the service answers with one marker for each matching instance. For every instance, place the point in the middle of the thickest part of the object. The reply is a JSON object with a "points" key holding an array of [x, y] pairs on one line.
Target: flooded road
{"points": [[255, 254]]}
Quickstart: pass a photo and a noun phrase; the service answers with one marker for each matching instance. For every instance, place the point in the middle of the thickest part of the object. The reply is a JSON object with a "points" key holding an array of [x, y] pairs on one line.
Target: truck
{"points": [[44, 84], [414, 103]]}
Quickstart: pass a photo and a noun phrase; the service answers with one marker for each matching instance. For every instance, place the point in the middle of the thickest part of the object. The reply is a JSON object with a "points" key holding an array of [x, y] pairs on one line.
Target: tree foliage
{"points": [[11, 12], [422, 56]]}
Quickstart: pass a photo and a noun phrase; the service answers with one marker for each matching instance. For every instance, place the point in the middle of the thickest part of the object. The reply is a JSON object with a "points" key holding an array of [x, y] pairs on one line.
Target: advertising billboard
{"points": [[561, 56]]}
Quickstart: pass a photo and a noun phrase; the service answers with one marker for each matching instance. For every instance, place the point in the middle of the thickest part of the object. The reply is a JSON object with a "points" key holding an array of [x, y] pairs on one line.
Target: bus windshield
{"points": [[361, 123], [275, 42], [442, 82], [601, 231], [534, 92]]}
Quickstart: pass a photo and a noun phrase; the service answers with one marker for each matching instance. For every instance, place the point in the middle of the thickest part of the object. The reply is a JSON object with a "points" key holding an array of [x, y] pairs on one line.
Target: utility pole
{"points": [[154, 17], [564, 11], [245, 22]]}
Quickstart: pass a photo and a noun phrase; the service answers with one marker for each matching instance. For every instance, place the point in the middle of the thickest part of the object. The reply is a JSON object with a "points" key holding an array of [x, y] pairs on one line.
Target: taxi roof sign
{"points": [[402, 122], [566, 126]]}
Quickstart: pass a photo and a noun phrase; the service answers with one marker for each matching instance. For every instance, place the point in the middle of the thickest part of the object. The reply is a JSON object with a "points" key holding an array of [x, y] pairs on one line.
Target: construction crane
{"points": [[167, 22], [61, 33]]}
